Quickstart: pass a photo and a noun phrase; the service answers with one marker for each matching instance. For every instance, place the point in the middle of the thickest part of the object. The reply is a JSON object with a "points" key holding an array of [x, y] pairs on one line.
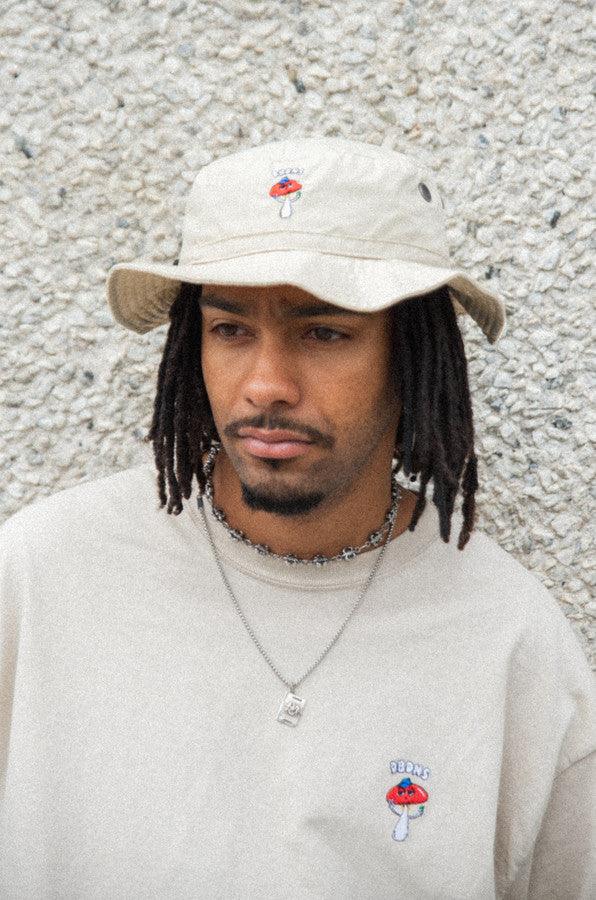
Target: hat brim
{"points": [[140, 293]]}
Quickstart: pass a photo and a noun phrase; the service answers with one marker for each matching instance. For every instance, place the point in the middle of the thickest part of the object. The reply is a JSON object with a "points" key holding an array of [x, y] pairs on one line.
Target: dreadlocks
{"points": [[435, 432]]}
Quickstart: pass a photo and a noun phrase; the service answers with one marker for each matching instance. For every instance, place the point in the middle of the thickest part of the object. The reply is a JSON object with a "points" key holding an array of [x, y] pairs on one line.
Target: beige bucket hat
{"points": [[357, 225]]}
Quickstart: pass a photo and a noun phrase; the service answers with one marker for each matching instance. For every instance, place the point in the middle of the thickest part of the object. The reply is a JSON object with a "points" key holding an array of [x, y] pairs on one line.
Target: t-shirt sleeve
{"points": [[13, 588], [550, 812], [563, 863]]}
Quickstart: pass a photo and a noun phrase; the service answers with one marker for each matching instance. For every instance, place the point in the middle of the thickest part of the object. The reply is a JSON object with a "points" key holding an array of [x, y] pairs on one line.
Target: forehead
{"points": [[281, 301]]}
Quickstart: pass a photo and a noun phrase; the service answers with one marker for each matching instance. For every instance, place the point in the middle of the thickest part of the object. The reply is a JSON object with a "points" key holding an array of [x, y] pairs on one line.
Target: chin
{"points": [[280, 503]]}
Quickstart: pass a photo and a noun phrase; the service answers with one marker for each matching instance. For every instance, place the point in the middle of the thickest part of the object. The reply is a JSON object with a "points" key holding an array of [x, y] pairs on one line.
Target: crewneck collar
{"points": [[401, 551]]}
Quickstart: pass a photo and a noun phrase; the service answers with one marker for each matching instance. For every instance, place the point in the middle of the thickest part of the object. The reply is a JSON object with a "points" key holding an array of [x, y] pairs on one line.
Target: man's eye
{"points": [[322, 333], [226, 329], [326, 335]]}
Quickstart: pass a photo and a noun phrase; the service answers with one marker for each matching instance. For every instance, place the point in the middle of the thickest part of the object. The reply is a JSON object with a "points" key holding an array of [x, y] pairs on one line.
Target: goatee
{"points": [[283, 506]]}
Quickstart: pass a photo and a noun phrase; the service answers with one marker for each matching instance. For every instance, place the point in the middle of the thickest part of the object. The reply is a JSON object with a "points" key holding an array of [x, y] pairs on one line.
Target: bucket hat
{"points": [[357, 225]]}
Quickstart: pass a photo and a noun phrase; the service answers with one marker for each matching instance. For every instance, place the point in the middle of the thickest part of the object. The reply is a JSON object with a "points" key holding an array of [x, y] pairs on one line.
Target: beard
{"points": [[289, 505]]}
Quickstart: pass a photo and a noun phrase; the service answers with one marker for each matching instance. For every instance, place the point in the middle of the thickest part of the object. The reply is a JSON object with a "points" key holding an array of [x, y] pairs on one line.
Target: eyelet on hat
{"points": [[425, 192]]}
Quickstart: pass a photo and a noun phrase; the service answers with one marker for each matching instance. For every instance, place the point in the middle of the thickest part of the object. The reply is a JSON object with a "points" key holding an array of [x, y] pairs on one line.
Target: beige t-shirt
{"points": [[445, 749]]}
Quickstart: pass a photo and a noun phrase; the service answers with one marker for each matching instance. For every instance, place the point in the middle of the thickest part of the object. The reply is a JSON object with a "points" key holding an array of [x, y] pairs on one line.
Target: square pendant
{"points": [[290, 709]]}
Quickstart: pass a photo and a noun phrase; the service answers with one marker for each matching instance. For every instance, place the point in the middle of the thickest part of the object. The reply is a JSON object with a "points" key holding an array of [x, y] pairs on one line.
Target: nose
{"points": [[271, 378]]}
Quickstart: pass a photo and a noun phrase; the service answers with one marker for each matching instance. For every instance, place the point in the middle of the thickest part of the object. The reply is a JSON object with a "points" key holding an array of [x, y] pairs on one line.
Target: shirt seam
{"points": [[331, 585], [569, 765]]}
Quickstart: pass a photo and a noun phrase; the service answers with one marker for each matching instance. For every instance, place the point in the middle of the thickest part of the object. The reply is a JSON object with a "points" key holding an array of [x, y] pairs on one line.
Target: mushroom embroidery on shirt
{"points": [[286, 191], [407, 798]]}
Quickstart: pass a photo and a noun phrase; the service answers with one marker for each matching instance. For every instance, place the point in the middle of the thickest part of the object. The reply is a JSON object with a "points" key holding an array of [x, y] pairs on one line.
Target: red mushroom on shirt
{"points": [[286, 191], [407, 801]]}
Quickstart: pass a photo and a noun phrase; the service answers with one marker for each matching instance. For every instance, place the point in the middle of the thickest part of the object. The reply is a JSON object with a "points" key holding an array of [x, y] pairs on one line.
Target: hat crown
{"points": [[327, 194], [359, 225]]}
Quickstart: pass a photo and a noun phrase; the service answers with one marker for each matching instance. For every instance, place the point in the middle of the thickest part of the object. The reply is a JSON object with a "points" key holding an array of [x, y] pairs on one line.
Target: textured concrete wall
{"points": [[110, 108]]}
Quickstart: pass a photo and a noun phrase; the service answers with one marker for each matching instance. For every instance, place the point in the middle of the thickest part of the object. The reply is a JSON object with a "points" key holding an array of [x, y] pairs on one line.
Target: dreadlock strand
{"points": [[182, 407], [445, 483], [426, 378], [196, 400], [154, 430], [416, 335], [461, 431], [470, 477], [459, 424], [166, 430], [404, 371]]}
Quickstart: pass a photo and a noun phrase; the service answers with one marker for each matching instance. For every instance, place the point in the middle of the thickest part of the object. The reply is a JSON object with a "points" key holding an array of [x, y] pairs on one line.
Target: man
{"points": [[297, 685]]}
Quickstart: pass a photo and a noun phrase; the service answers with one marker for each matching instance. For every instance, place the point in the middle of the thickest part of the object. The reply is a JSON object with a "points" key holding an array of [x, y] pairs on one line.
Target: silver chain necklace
{"points": [[373, 540], [291, 707]]}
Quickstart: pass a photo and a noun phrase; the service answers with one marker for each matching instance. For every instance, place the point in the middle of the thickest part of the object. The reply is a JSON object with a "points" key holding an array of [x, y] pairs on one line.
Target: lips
{"points": [[272, 436], [273, 444]]}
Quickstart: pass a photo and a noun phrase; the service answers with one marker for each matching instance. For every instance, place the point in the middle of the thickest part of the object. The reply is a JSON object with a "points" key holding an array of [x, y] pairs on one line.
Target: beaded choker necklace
{"points": [[373, 540]]}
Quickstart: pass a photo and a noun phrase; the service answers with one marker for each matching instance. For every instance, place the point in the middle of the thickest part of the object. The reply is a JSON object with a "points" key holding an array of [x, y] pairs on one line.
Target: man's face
{"points": [[278, 359]]}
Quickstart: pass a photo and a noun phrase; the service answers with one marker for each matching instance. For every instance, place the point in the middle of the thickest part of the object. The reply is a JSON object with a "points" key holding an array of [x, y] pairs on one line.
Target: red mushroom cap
{"points": [[406, 792], [284, 186]]}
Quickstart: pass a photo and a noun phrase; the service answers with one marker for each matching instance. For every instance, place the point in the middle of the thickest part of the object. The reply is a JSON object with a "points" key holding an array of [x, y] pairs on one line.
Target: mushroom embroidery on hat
{"points": [[406, 799], [286, 191]]}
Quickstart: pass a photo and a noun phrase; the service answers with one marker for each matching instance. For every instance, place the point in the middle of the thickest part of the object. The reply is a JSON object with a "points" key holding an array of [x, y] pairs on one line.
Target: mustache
{"points": [[273, 422]]}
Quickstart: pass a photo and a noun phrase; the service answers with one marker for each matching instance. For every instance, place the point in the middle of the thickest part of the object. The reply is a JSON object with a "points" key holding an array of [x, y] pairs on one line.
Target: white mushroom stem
{"points": [[286, 200], [400, 832]]}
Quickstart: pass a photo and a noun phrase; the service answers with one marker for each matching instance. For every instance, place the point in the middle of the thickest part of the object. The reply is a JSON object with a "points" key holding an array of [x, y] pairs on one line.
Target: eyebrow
{"points": [[296, 312]]}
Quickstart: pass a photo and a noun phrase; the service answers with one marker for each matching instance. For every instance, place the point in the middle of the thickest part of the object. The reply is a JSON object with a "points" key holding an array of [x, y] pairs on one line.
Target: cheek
{"points": [[373, 401], [333, 388], [357, 396], [216, 379], [366, 382]]}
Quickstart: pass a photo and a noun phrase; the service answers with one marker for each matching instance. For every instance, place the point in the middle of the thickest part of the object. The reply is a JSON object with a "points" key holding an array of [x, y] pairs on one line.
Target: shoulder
{"points": [[495, 574], [82, 511], [548, 667], [493, 586], [506, 577], [548, 658], [521, 589]]}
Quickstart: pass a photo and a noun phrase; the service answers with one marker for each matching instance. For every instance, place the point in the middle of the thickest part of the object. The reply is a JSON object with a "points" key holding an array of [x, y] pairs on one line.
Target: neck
{"points": [[334, 524]]}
